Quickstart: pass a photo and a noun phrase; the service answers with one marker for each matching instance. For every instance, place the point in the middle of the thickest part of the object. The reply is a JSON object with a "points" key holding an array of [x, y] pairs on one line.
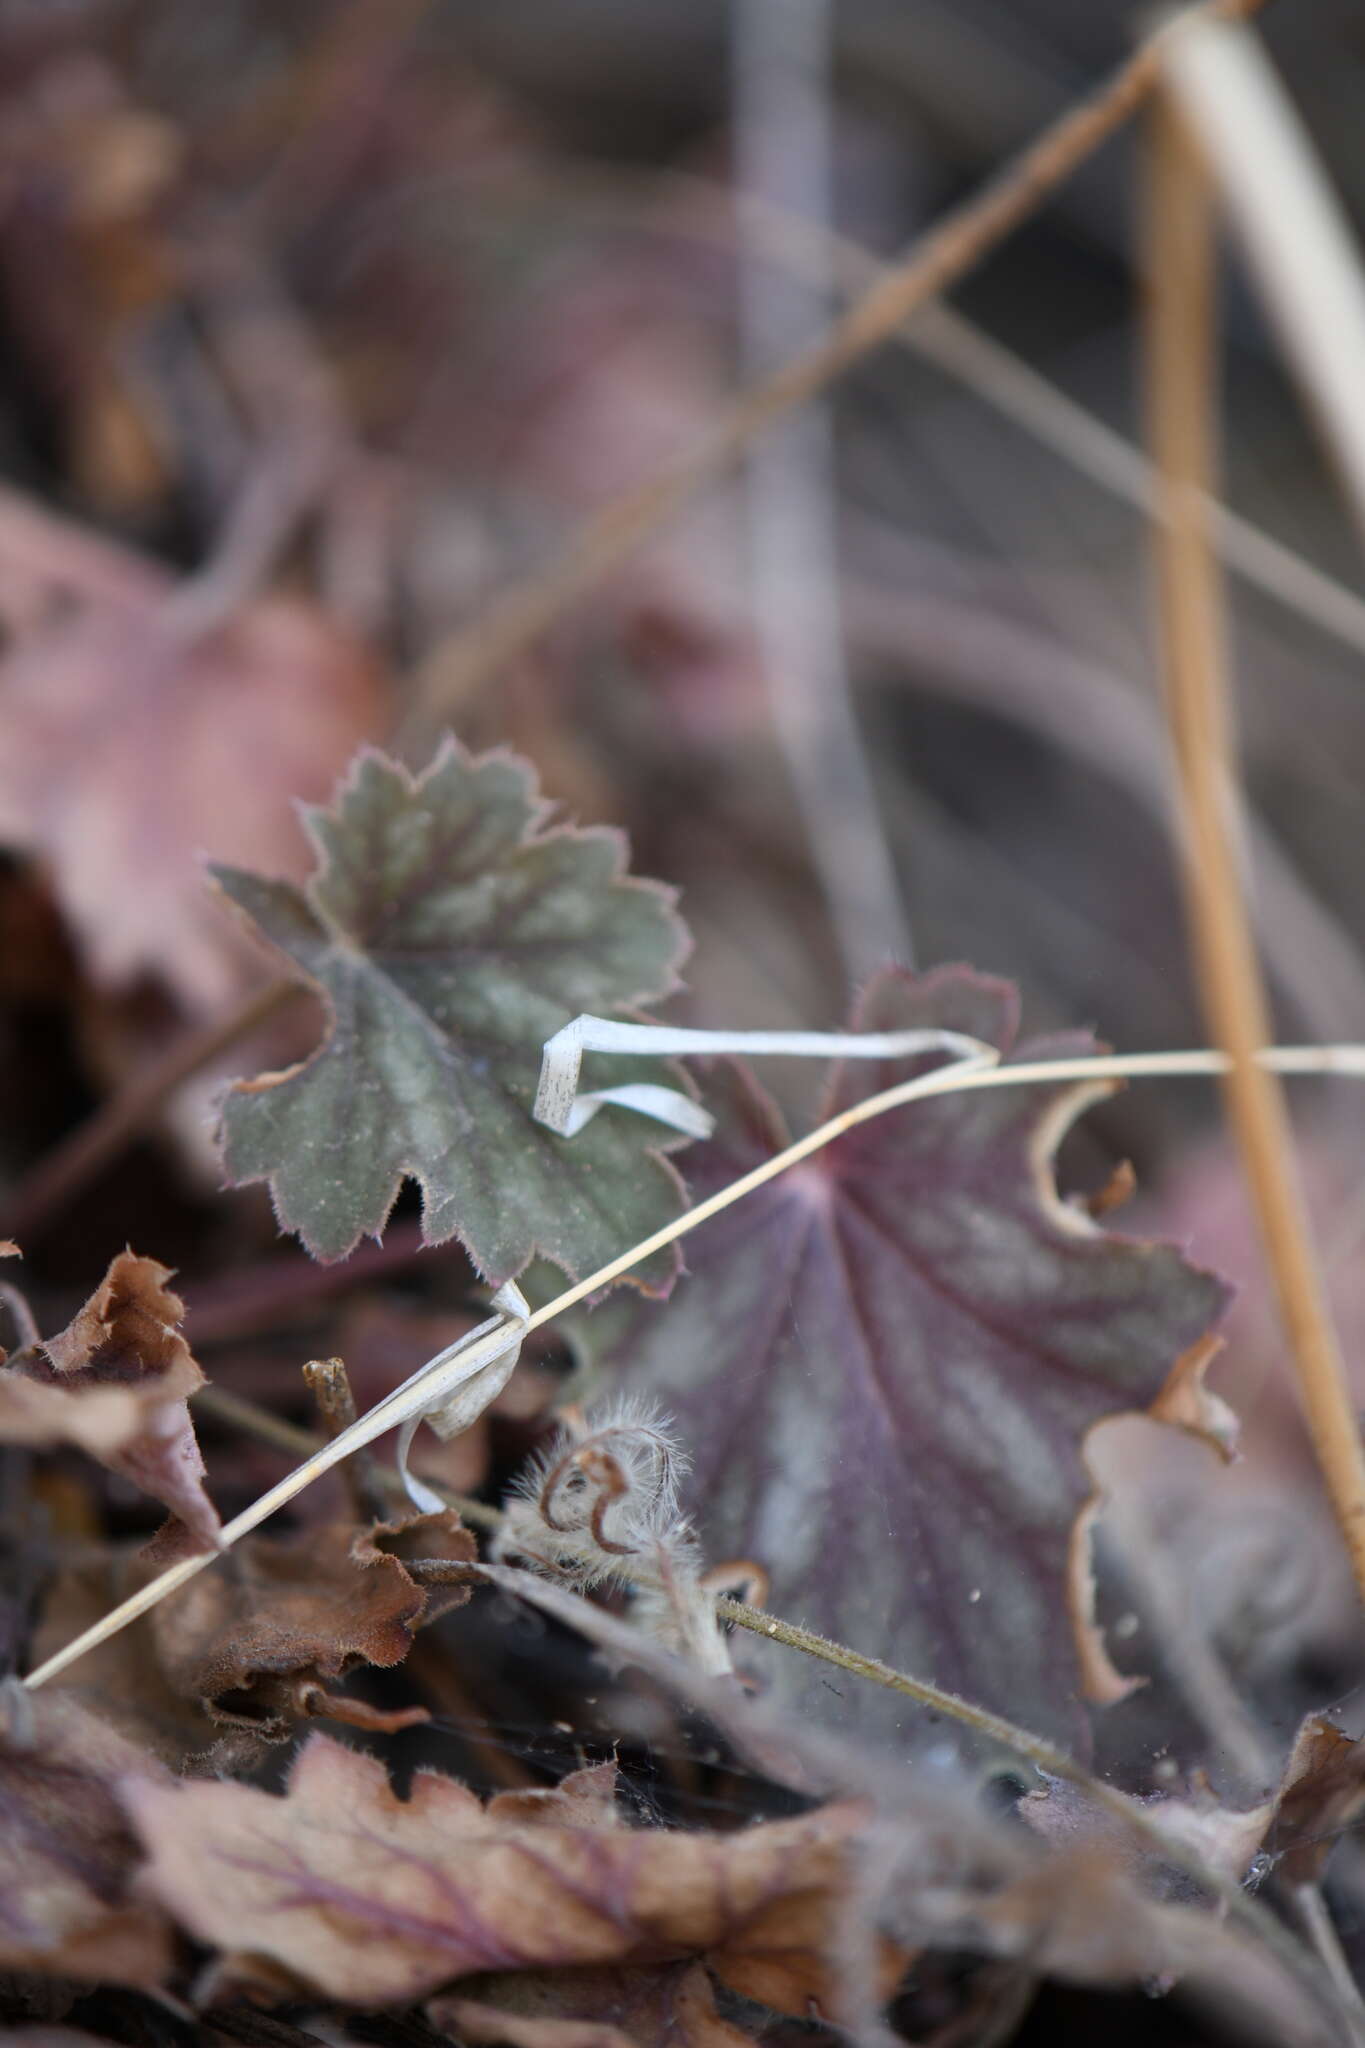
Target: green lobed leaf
{"points": [[450, 932], [885, 1363]]}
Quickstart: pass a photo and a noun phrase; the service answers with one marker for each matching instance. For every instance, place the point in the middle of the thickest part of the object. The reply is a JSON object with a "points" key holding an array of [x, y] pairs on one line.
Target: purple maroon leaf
{"points": [[885, 1364]]}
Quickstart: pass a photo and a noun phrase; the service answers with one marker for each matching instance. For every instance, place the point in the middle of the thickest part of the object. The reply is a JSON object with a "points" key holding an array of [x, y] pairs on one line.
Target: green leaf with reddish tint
{"points": [[884, 1365], [450, 932]]}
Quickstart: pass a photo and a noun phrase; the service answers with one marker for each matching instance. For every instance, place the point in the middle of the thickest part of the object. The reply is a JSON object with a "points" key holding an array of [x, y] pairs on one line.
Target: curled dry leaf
{"points": [[450, 934], [350, 1891], [1321, 1793], [382, 1338], [66, 1850], [264, 1643], [886, 1363], [235, 1658], [188, 745], [116, 1382]]}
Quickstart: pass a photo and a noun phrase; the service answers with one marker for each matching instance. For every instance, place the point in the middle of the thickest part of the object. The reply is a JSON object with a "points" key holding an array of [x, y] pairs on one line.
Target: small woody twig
{"points": [[330, 1385]]}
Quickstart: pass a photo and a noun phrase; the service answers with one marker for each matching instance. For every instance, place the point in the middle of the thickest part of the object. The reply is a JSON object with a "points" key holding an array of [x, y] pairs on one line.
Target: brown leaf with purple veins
{"points": [[348, 1890], [66, 1850], [886, 1363], [117, 1382]]}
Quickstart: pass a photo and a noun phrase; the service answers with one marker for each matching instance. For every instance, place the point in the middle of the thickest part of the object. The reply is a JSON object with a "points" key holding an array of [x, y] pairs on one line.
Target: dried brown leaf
{"points": [[262, 1644], [1321, 1793], [188, 745], [117, 1382], [347, 1889], [121, 1680], [66, 1850], [235, 1658]]}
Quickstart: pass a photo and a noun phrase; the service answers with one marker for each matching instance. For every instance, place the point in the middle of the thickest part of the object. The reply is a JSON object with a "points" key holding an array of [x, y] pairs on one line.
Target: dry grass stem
{"points": [[1288, 219], [1180, 352], [1019, 393]]}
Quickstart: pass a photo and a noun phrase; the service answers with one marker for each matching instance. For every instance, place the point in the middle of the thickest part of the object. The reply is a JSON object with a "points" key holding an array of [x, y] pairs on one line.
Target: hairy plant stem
{"points": [[1182, 399], [74, 1162], [512, 623]]}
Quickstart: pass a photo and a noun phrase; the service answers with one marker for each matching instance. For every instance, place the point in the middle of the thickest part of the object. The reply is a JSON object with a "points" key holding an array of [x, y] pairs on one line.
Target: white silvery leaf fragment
{"points": [[665, 1105], [561, 1108], [458, 1399]]}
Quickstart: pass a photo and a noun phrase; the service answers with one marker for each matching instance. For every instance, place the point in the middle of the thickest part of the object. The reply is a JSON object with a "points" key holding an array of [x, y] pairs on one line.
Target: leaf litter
{"points": [[182, 330], [117, 1382], [545, 1914], [189, 744]]}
